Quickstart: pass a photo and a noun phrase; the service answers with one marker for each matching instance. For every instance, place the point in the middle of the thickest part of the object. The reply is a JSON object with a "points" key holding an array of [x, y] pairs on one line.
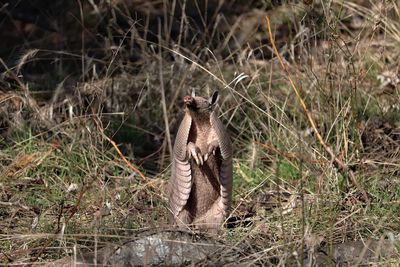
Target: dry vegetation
{"points": [[82, 75]]}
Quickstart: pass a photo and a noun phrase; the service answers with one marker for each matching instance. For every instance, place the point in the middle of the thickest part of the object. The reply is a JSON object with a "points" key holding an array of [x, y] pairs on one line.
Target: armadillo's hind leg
{"points": [[184, 218], [212, 219]]}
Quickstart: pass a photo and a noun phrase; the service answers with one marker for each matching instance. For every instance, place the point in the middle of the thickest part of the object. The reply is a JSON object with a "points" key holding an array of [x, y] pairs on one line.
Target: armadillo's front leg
{"points": [[195, 153], [212, 146]]}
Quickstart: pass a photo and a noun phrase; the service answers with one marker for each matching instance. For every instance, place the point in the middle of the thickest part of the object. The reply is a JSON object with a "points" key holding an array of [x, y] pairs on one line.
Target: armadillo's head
{"points": [[200, 105]]}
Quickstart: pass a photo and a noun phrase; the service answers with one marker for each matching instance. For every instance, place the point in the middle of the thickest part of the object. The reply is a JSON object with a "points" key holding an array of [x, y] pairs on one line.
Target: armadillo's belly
{"points": [[206, 187]]}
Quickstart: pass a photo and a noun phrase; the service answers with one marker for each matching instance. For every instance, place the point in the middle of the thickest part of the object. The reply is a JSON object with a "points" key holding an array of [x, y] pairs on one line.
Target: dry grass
{"points": [[64, 184]]}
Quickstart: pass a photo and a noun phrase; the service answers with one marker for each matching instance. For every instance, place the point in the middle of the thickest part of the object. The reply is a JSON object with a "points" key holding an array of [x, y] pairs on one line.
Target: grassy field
{"points": [[88, 117]]}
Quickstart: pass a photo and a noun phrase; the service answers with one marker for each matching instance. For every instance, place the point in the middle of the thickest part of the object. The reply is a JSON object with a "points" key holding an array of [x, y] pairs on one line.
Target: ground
{"points": [[91, 95]]}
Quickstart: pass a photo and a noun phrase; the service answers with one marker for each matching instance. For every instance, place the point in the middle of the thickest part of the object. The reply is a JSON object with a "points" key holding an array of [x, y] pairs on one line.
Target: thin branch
{"points": [[337, 162], [163, 100], [133, 168]]}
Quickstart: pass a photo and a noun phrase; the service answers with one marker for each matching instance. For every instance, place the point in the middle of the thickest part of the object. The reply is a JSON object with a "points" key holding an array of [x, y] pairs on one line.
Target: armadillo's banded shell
{"points": [[224, 140], [225, 174], [226, 183], [182, 138], [181, 173], [180, 185]]}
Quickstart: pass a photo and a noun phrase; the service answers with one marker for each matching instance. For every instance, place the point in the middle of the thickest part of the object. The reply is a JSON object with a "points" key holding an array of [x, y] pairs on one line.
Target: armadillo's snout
{"points": [[188, 100]]}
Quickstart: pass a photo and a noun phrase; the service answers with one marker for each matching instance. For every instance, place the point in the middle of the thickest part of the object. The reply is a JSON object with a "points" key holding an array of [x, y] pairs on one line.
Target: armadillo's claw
{"points": [[212, 147], [195, 153], [198, 158]]}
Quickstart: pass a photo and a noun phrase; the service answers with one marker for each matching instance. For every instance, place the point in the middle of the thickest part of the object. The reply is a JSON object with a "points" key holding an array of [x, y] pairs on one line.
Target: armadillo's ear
{"points": [[193, 92], [214, 98]]}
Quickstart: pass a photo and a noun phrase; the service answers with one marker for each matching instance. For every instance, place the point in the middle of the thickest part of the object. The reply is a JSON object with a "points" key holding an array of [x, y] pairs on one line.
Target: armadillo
{"points": [[200, 188]]}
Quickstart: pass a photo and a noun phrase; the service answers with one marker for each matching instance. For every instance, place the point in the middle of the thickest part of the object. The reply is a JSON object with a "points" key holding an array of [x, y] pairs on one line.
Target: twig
{"points": [[288, 156], [14, 76], [58, 231], [336, 161], [82, 40], [16, 204], [163, 101], [136, 170], [74, 209]]}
